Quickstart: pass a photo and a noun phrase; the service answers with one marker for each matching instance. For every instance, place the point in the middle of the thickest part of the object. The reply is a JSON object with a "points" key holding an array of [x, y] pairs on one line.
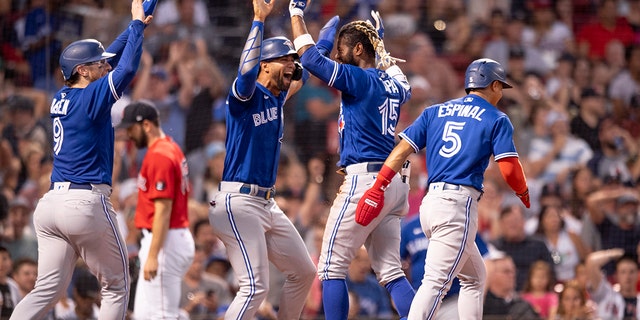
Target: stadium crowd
{"points": [[575, 106]]}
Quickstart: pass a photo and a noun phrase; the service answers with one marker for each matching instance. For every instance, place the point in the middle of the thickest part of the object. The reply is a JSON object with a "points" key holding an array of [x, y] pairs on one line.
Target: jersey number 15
{"points": [[389, 112]]}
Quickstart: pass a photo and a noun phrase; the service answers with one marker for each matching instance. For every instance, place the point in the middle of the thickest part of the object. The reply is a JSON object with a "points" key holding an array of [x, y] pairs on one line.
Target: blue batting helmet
{"points": [[482, 72], [80, 52], [277, 47]]}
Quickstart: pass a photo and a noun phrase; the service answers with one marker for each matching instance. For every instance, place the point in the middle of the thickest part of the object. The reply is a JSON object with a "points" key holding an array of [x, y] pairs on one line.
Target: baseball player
{"points": [[371, 100], [167, 247], [413, 248], [244, 214], [460, 136], [75, 218]]}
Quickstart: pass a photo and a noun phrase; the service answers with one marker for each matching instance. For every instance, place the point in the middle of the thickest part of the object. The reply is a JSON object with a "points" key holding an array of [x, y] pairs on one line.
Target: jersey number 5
{"points": [[449, 134]]}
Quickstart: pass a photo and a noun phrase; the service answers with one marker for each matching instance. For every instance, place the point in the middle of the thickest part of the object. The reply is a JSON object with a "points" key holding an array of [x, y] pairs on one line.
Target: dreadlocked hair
{"points": [[363, 32]]}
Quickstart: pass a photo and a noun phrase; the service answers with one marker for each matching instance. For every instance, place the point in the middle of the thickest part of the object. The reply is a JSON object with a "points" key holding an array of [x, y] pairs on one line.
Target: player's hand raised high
{"points": [[262, 8]]}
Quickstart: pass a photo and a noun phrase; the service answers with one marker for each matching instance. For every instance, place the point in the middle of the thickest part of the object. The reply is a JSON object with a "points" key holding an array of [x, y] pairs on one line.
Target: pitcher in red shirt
{"points": [[167, 247]]}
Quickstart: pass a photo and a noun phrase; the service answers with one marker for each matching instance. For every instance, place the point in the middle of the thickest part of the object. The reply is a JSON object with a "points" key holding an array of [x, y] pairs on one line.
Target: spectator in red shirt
{"points": [[593, 38]]}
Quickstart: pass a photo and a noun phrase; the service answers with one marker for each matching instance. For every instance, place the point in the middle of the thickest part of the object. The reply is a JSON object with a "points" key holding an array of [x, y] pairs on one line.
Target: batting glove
{"points": [[524, 197], [296, 7], [370, 206], [379, 26], [371, 203], [149, 6], [327, 35]]}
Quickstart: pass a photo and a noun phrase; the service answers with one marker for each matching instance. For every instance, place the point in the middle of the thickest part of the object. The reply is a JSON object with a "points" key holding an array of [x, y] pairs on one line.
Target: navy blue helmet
{"points": [[81, 52], [482, 72], [277, 47]]}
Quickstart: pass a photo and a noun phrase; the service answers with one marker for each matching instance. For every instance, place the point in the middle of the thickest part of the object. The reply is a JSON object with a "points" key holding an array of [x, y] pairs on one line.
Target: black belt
{"points": [[374, 166], [265, 193], [76, 186], [371, 167]]}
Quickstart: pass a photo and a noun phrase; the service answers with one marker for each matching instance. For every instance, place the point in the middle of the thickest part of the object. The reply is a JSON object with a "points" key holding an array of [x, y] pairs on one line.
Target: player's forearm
{"points": [[299, 28], [513, 174], [399, 155], [160, 227]]}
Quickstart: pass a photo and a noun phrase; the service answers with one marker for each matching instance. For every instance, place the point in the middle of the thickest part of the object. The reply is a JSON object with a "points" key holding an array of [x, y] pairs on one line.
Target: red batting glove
{"points": [[524, 197], [371, 203]]}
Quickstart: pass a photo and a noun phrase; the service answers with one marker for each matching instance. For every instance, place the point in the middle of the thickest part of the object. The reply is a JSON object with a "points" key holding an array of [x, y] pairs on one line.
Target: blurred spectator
{"points": [[560, 84], [502, 300], [545, 38], [208, 90], [626, 84], [581, 185], [374, 301], [423, 60], [523, 249], [9, 291], [19, 236], [206, 163], [566, 247], [617, 150], [40, 45], [315, 105], [85, 298], [206, 240], [573, 304], [586, 123], [554, 155], [538, 290], [593, 38], [13, 65], [496, 41], [614, 304], [23, 127], [203, 296], [489, 210], [155, 83], [180, 20], [618, 226], [24, 275]]}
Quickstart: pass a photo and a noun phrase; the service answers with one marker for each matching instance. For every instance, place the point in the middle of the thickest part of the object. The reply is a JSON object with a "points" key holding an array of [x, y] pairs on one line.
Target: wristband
{"points": [[296, 12], [302, 41]]}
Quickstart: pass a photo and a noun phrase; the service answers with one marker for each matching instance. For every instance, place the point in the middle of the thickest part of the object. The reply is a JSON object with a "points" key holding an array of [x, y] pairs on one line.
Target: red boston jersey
{"points": [[163, 176]]}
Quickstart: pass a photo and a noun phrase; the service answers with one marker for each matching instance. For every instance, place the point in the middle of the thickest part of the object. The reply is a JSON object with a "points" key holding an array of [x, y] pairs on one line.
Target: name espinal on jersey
{"points": [[461, 110]]}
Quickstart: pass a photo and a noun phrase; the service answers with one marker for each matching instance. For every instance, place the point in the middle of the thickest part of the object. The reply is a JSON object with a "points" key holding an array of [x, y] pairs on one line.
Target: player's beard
{"points": [[349, 59], [283, 83], [141, 141]]}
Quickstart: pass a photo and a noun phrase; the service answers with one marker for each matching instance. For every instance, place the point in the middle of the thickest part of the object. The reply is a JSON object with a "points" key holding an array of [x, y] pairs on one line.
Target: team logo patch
{"points": [[160, 186]]}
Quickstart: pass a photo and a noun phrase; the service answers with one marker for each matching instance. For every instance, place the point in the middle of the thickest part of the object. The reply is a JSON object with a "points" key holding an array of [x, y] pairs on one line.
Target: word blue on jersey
{"points": [[460, 156], [83, 150], [362, 91], [253, 115]]}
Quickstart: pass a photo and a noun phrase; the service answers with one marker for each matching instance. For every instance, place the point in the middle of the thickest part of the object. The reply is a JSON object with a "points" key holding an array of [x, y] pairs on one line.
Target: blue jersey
{"points": [[455, 132], [82, 130], [370, 107], [254, 137], [413, 247], [255, 122]]}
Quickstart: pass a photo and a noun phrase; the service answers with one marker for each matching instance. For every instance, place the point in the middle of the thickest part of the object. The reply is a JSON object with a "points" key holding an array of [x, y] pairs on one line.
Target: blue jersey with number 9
{"points": [[460, 136]]}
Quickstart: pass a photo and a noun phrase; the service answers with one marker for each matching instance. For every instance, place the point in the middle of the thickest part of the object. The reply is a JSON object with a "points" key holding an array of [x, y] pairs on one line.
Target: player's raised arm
{"points": [[245, 83]]}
